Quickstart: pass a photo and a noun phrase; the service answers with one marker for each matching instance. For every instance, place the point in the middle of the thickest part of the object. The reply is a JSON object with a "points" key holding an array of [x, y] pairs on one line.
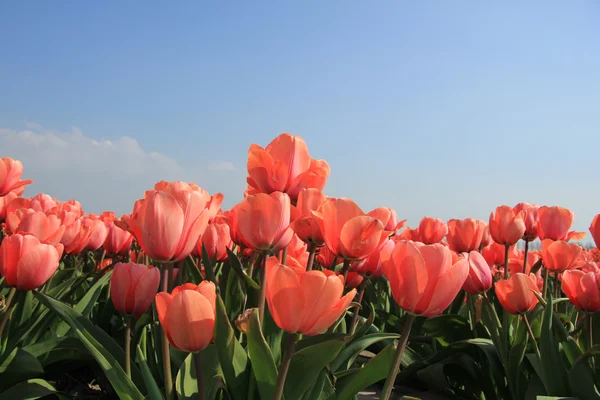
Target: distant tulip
{"points": [[47, 228], [407, 234], [388, 218], [494, 255], [594, 229], [348, 231], [554, 223], [306, 226], [298, 249], [187, 315], [76, 236], [4, 201], [262, 221], [216, 239], [530, 219], [372, 265], [284, 166], [559, 255], [170, 221], [486, 238], [479, 279], [10, 177], [26, 263], [118, 241], [506, 226], [432, 230], [326, 258], [582, 289], [305, 302], [99, 232], [133, 287], [422, 277], [40, 202], [465, 235], [516, 294]]}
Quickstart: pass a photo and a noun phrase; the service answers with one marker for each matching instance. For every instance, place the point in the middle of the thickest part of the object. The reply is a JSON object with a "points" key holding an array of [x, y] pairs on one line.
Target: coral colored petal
{"points": [[284, 296], [332, 314]]}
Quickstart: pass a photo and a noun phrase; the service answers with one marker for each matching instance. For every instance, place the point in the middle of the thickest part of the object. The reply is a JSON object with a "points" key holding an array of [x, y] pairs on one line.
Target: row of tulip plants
{"points": [[290, 294]]}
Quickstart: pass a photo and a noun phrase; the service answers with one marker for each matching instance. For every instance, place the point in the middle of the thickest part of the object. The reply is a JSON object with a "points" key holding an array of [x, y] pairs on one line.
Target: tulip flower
{"points": [[76, 236], [47, 228], [516, 294], [327, 258], [26, 263], [407, 234], [559, 255], [10, 177], [170, 220], [4, 202], [117, 240], [306, 226], [479, 279], [216, 240], [530, 219], [465, 235], [187, 315], [582, 289], [284, 166], [388, 218], [506, 226], [554, 223], [262, 221], [432, 230], [99, 232], [348, 231], [373, 264], [133, 287]]}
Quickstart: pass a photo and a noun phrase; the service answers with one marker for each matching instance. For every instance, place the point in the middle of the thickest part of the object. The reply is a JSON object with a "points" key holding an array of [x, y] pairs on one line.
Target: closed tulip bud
{"points": [[26, 263], [422, 277], [554, 223], [530, 219], [582, 289], [348, 231], [306, 302], [372, 265], [133, 287], [188, 315], [479, 279], [432, 230], [306, 226], [388, 218], [216, 239], [506, 226], [10, 177], [76, 236], [99, 232], [465, 235], [262, 221], [559, 255], [516, 294], [117, 240]]}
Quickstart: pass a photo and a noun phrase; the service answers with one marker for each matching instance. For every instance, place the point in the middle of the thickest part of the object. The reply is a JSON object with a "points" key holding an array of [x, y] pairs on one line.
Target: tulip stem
{"points": [[102, 259], [556, 291], [263, 284], [128, 345], [345, 269], [361, 293], [8, 310], [312, 251], [284, 254], [166, 352], [546, 275], [285, 365], [391, 379], [506, 251], [537, 349], [199, 375], [525, 256]]}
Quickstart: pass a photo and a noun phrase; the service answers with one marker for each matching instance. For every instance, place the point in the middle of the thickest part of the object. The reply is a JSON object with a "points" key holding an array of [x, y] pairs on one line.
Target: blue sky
{"points": [[445, 109]]}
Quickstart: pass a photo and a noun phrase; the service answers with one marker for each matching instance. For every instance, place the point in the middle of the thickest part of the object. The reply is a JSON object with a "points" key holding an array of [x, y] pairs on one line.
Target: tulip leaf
{"points": [[208, 266], [58, 349], [322, 390], [29, 390], [232, 356], [375, 370], [186, 383], [447, 329], [18, 366], [554, 377], [352, 351], [235, 263], [153, 389], [101, 346], [516, 355], [313, 340], [306, 366], [263, 366]]}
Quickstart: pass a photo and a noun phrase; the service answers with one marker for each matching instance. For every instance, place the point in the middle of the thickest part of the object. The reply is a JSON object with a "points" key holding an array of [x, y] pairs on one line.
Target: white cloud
{"points": [[105, 174]]}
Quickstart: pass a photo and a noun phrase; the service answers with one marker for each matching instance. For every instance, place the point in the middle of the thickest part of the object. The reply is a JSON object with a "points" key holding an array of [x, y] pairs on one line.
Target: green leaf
{"points": [[555, 379], [447, 329], [232, 356], [322, 390], [306, 366], [516, 355], [18, 366], [234, 296], [312, 340], [235, 263], [350, 353], [375, 370], [29, 390], [186, 383], [59, 349], [154, 392], [96, 341], [208, 266], [263, 366]]}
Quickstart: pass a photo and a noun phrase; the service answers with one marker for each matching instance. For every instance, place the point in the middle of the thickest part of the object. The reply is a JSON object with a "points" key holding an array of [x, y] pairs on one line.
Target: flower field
{"points": [[290, 294]]}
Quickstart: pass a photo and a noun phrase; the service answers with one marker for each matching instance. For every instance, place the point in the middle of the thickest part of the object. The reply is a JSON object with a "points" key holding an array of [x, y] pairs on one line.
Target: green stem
{"points": [[546, 275], [8, 310], [525, 256], [537, 349], [345, 269], [506, 251], [284, 253], [471, 310], [166, 352], [128, 345], [199, 376], [285, 365], [555, 291], [391, 379], [588, 320], [261, 294], [312, 251], [361, 293], [170, 277]]}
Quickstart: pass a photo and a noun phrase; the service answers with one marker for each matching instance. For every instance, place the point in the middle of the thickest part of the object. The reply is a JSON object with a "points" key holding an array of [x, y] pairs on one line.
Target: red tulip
{"points": [[422, 277], [353, 279], [10, 177], [583, 289], [506, 226], [465, 235], [559, 255], [530, 219], [306, 302], [326, 257], [479, 279], [187, 315], [432, 230], [26, 263], [170, 221], [516, 294], [133, 287]]}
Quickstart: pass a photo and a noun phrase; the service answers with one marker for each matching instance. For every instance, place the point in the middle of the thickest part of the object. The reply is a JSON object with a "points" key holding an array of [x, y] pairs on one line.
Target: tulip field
{"points": [[291, 294]]}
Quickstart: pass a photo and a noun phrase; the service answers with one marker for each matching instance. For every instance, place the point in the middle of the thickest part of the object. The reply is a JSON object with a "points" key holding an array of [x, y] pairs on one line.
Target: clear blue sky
{"points": [[434, 108]]}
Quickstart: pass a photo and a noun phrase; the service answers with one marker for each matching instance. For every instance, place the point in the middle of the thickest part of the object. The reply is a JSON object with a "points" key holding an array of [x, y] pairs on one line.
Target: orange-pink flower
{"points": [[559, 255], [506, 226], [594, 230], [465, 235], [306, 302], [306, 226], [216, 239], [422, 277], [10, 177], [582, 289], [432, 230], [554, 223], [117, 240], [133, 287], [372, 265], [47, 228], [516, 294], [479, 279], [4, 202], [530, 218]]}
